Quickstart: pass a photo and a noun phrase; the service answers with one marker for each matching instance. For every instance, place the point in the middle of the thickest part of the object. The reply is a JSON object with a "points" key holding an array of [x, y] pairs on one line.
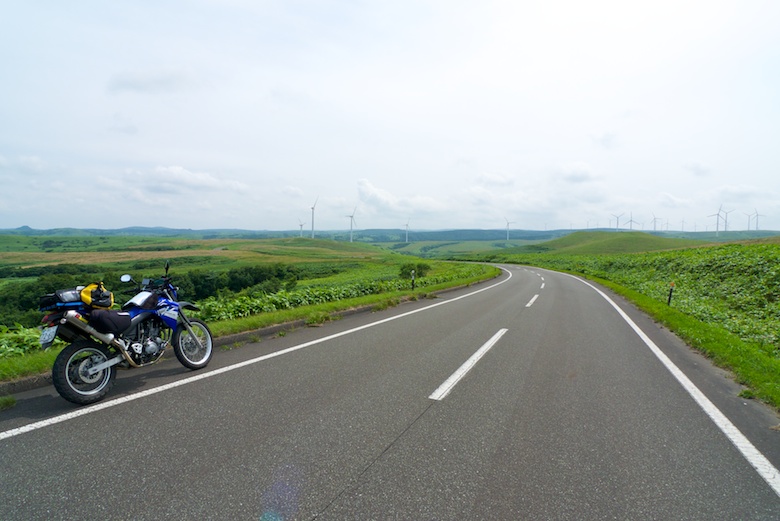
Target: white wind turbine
{"points": [[407, 231], [756, 216], [655, 222], [617, 220], [726, 221], [312, 215], [508, 222], [718, 217], [631, 222], [351, 222], [301, 223]]}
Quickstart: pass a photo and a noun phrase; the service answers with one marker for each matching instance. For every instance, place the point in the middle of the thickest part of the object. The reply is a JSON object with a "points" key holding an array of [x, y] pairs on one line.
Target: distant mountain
{"points": [[141, 231], [374, 235], [371, 235]]}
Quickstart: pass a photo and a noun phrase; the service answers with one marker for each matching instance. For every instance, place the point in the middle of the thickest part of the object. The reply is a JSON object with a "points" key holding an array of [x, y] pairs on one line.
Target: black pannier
{"points": [[109, 320], [61, 298]]}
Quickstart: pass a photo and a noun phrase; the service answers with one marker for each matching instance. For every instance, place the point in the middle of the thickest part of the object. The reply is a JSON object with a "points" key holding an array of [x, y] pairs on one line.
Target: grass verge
{"points": [[6, 402], [752, 364], [32, 363]]}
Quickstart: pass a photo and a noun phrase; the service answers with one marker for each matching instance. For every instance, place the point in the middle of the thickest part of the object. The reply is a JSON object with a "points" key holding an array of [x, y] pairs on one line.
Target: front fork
{"points": [[188, 326]]}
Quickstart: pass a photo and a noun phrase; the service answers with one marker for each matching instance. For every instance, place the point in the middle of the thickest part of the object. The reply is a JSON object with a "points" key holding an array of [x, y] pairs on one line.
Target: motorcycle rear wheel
{"points": [[193, 353], [70, 377]]}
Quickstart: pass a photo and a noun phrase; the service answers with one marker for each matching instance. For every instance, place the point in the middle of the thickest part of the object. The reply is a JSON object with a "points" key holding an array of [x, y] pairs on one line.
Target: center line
{"points": [[531, 302], [445, 388]]}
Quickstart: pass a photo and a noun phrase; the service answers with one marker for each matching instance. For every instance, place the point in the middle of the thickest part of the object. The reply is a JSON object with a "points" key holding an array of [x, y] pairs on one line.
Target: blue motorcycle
{"points": [[103, 339]]}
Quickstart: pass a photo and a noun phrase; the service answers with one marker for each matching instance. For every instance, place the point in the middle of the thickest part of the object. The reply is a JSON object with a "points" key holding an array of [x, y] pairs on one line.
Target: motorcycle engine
{"points": [[148, 341]]}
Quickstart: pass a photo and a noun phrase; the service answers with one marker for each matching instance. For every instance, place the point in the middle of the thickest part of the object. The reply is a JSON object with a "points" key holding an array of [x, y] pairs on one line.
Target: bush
{"points": [[420, 269]]}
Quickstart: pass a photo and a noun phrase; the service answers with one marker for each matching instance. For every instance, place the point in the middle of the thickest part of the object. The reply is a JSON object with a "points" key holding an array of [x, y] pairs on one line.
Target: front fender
{"points": [[188, 305]]}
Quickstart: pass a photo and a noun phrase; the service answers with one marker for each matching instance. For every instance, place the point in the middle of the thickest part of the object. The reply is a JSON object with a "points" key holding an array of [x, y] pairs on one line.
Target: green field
{"points": [[444, 249], [602, 243]]}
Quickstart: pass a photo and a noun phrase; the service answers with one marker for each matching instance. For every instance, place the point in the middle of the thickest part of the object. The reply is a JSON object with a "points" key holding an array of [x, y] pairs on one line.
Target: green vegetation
{"points": [[32, 362], [247, 304], [600, 243], [6, 402], [725, 299]]}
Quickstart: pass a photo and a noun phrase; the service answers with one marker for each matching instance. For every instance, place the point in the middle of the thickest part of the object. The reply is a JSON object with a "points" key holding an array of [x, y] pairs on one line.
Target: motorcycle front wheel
{"points": [[70, 372], [194, 352]]}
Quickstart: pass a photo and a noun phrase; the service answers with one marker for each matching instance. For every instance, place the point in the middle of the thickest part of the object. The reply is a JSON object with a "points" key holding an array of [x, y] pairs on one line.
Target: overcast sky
{"points": [[441, 114]]}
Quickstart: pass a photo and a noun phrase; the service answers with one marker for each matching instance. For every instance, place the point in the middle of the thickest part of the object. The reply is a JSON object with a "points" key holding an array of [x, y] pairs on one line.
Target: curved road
{"points": [[528, 397]]}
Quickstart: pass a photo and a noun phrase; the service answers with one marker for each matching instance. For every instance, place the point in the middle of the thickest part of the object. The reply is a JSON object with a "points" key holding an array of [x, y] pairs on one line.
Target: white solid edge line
{"points": [[119, 401], [445, 388], [756, 459], [531, 302]]}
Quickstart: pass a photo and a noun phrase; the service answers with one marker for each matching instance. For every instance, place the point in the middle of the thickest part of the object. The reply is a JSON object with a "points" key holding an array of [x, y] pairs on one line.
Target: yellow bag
{"points": [[97, 296]]}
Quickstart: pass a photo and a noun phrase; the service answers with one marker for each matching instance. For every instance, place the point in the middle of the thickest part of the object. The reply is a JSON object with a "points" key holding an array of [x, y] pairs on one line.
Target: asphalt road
{"points": [[567, 414]]}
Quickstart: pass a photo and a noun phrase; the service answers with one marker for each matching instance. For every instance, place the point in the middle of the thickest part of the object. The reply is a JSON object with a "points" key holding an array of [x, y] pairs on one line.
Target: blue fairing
{"points": [[167, 310]]}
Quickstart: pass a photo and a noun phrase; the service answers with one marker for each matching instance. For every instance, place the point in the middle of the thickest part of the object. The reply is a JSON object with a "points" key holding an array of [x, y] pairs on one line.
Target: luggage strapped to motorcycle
{"points": [[97, 296]]}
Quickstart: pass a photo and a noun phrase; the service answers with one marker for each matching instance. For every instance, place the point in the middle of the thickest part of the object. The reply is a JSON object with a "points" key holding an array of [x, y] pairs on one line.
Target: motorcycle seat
{"points": [[109, 320]]}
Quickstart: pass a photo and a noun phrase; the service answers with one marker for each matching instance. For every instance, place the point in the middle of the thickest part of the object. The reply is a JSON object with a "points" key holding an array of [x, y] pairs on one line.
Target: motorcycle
{"points": [[103, 339]]}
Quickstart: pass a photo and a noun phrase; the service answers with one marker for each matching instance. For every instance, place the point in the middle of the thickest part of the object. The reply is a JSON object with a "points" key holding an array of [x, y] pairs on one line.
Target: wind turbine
{"points": [[617, 220], [726, 221], [301, 223], [717, 219], [632, 222], [312, 215], [508, 222], [407, 231], [757, 215], [655, 222], [351, 222]]}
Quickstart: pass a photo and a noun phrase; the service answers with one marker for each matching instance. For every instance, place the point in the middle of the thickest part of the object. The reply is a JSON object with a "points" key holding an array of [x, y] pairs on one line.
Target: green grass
{"points": [[602, 243], [752, 364], [445, 249], [6, 402], [316, 312], [32, 363]]}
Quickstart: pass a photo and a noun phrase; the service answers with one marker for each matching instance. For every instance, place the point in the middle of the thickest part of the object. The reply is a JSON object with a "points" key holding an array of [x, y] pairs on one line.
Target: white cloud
{"points": [[389, 208], [150, 82], [577, 173], [495, 179], [32, 164], [697, 169], [606, 140], [292, 191]]}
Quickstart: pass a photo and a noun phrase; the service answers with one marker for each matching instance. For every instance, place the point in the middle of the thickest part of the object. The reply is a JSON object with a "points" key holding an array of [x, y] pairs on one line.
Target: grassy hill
{"points": [[599, 243]]}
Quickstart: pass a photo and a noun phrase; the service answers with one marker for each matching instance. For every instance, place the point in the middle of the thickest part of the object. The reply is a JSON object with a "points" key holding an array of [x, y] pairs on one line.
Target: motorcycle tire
{"points": [[70, 377], [191, 353]]}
